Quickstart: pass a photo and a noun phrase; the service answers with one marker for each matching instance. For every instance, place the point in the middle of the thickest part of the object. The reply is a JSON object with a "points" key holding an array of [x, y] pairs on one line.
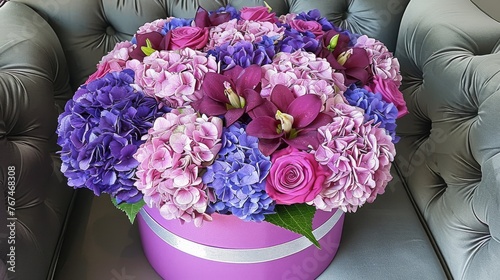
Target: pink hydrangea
{"points": [[304, 73], [114, 61], [154, 26], [383, 63], [173, 77], [178, 147], [359, 156], [235, 31]]}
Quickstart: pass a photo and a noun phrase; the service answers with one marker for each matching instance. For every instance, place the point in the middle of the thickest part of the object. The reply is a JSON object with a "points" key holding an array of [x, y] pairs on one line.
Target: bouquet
{"points": [[265, 117]]}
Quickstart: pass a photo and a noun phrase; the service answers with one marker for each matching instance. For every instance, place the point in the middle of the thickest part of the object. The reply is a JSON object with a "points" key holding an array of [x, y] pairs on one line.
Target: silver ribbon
{"points": [[247, 256]]}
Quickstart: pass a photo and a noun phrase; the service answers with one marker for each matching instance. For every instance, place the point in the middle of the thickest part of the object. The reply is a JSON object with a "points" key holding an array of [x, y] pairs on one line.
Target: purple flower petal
{"points": [[282, 97], [233, 115], [249, 78], [213, 86], [264, 127], [304, 110], [304, 140], [269, 146], [253, 99]]}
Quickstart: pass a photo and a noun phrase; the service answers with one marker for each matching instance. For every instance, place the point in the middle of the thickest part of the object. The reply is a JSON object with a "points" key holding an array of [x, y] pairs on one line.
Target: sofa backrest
{"points": [[89, 29], [449, 51]]}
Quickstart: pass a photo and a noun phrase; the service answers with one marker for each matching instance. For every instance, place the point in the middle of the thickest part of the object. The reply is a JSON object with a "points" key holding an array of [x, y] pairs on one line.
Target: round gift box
{"points": [[229, 248]]}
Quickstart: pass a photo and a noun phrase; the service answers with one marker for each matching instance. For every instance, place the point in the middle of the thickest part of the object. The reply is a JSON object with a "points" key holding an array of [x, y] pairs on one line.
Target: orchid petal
{"points": [[211, 107], [304, 110], [233, 115], [213, 86], [202, 18], [234, 72], [252, 98], [282, 97], [321, 120], [265, 109], [264, 127], [250, 77], [269, 146], [305, 140]]}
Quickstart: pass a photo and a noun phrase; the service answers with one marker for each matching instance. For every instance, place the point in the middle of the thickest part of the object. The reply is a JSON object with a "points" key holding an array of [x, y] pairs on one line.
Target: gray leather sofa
{"points": [[439, 217]]}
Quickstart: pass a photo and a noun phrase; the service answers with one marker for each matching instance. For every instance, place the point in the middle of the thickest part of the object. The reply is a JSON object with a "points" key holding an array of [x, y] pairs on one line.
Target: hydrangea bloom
{"points": [[383, 63], [237, 177], [377, 111], [304, 73], [99, 132], [114, 61], [294, 40], [178, 146], [235, 31], [235, 14], [244, 53], [173, 77], [359, 156]]}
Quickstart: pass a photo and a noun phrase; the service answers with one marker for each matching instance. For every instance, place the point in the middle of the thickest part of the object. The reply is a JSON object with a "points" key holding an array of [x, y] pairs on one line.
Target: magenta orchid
{"points": [[353, 62], [286, 119], [230, 94]]}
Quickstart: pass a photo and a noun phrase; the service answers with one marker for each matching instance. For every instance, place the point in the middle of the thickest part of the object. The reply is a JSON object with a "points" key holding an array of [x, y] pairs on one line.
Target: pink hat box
{"points": [[229, 248]]}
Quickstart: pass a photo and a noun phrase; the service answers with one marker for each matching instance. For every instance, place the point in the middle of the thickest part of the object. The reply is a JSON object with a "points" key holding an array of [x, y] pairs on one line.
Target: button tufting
{"points": [[110, 30]]}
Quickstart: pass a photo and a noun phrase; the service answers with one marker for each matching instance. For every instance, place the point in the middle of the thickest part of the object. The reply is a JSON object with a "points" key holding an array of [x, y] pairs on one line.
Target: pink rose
{"points": [[187, 37], [257, 14], [102, 70], [311, 26], [390, 93], [295, 177]]}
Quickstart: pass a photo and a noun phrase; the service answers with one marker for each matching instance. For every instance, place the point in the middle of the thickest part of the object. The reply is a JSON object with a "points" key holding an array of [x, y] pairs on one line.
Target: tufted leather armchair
{"points": [[439, 219]]}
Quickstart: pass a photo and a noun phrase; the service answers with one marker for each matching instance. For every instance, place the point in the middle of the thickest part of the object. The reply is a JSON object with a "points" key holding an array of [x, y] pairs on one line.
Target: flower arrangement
{"points": [[265, 117]]}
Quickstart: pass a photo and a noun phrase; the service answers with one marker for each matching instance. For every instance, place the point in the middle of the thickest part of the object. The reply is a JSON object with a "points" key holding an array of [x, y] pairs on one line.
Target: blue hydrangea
{"points": [[235, 14], [244, 53], [176, 22], [376, 109], [99, 132], [237, 177]]}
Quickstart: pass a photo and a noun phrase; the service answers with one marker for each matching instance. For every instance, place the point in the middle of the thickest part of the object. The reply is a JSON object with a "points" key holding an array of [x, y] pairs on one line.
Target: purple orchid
{"points": [[352, 62], [205, 19], [231, 94], [286, 119], [146, 44]]}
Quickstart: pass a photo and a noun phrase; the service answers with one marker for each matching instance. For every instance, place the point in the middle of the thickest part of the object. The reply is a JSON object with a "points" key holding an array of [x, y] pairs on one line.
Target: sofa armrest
{"points": [[33, 87], [449, 151]]}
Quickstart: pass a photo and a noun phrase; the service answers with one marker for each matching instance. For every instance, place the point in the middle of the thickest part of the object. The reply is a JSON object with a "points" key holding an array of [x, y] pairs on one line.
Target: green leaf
{"points": [[148, 49], [297, 218], [130, 209]]}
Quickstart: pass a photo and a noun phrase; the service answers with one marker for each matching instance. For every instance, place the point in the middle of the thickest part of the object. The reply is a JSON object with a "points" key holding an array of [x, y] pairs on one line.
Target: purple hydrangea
{"points": [[237, 177], [99, 132], [381, 112], [244, 53], [294, 40]]}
